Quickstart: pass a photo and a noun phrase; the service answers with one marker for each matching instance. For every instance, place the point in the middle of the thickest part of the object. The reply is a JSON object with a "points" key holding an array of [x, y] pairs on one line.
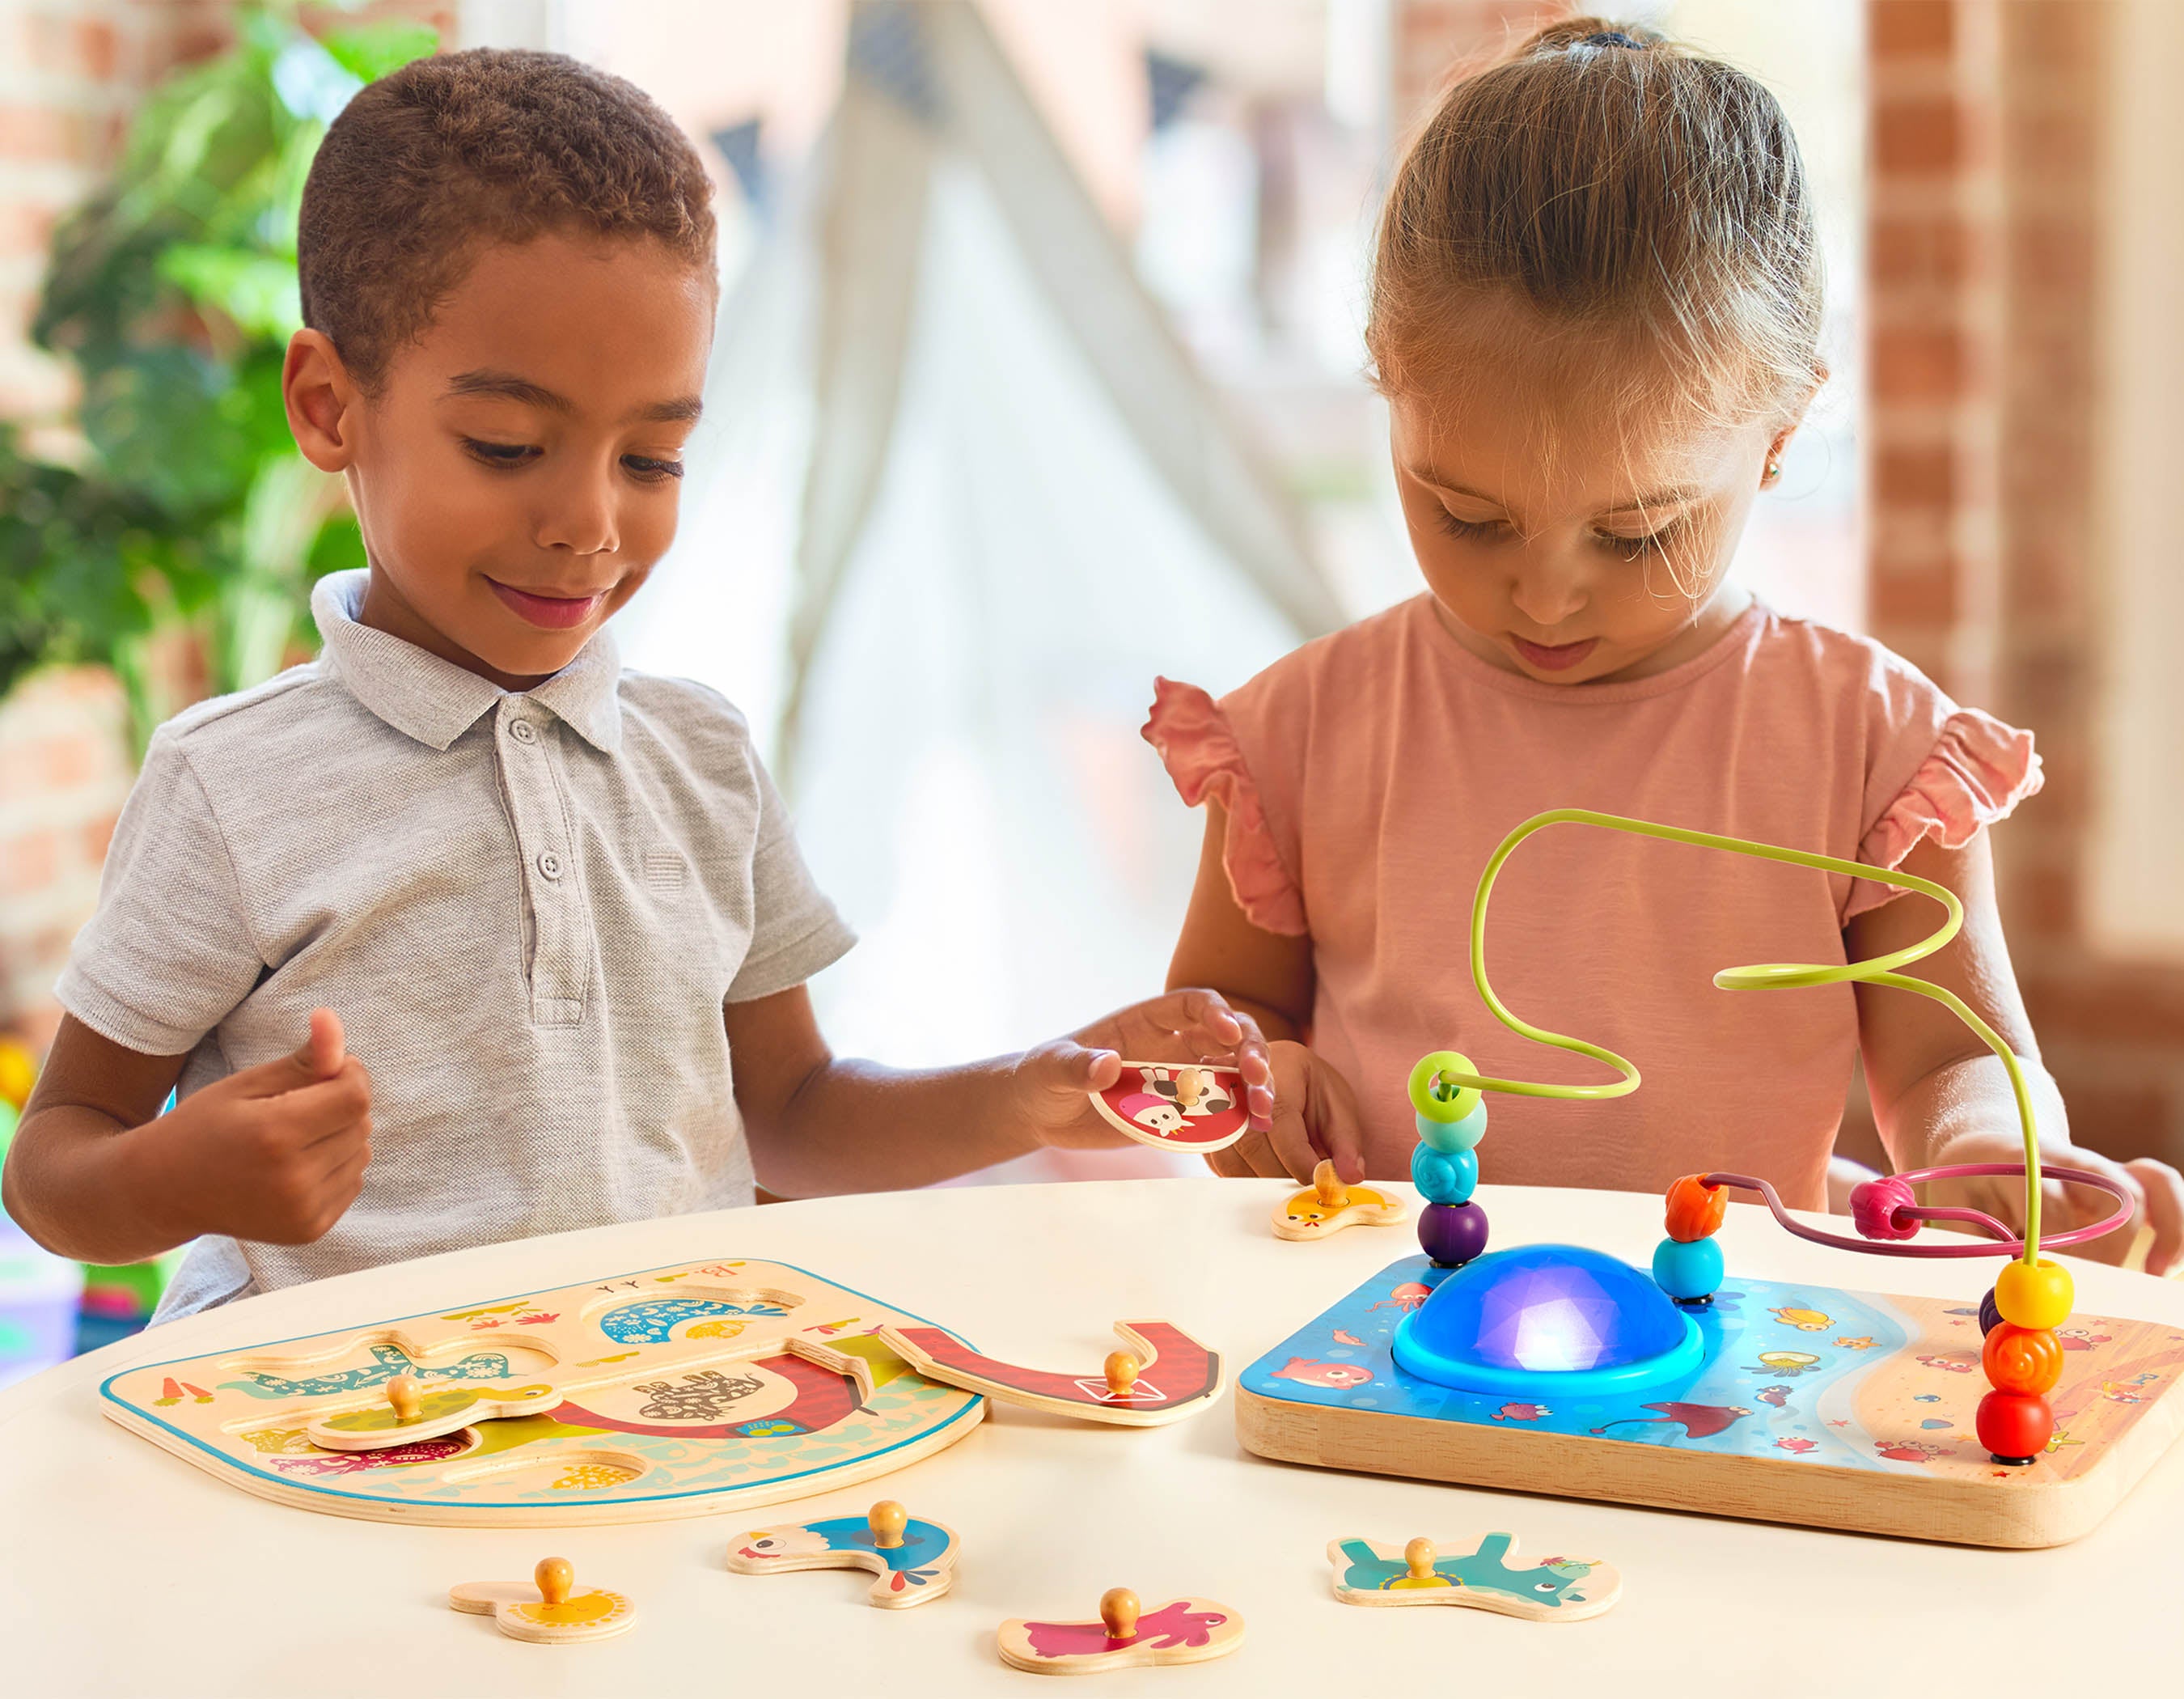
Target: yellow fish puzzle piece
{"points": [[411, 1412], [1327, 1206], [558, 1616]]}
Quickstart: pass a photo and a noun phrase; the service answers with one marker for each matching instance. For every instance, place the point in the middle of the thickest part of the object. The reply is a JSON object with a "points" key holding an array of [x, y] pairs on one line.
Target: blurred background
{"points": [[1038, 374]]}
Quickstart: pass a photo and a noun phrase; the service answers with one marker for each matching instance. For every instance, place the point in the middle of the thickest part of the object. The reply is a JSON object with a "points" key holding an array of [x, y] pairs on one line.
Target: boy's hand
{"points": [[275, 1153], [2155, 1188], [1315, 1116], [1057, 1078]]}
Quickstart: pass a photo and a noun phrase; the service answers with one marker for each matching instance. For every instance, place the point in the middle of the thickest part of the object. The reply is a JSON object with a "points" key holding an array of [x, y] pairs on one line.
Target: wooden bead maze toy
{"points": [[2001, 1421]]}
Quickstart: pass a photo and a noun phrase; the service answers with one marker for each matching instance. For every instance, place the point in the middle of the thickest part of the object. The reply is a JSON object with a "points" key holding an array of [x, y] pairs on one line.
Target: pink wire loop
{"points": [[2005, 1242]]}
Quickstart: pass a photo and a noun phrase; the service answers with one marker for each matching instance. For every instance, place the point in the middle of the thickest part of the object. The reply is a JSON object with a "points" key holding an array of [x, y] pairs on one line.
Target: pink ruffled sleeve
{"points": [[1198, 746], [1977, 771]]}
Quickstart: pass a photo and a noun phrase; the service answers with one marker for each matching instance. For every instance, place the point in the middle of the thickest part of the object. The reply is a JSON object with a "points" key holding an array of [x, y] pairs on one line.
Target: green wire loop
{"points": [[1775, 976]]}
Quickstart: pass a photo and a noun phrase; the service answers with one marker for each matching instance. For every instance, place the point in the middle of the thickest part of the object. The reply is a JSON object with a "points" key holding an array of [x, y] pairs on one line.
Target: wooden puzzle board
{"points": [[1816, 1405], [686, 1389]]}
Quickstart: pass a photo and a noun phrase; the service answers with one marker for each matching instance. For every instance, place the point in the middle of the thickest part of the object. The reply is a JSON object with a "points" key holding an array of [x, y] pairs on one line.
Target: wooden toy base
{"points": [[1830, 1408], [683, 1391]]}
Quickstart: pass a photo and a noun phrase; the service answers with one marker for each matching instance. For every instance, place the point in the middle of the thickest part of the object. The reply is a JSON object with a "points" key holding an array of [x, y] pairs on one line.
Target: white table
{"points": [[123, 1570]]}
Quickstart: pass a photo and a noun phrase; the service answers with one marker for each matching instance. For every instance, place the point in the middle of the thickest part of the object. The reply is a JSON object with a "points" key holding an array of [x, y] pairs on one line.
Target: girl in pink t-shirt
{"points": [[1595, 312]]}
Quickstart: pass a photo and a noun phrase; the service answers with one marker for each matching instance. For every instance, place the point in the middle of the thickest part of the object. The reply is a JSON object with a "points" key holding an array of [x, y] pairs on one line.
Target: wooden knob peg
{"points": [[887, 1519], [1189, 1087], [1419, 1556], [1331, 1189], [556, 1577], [1122, 1372], [402, 1393], [1118, 1610]]}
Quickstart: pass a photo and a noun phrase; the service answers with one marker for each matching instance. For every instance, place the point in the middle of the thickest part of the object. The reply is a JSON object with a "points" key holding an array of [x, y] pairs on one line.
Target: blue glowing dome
{"points": [[1542, 1319]]}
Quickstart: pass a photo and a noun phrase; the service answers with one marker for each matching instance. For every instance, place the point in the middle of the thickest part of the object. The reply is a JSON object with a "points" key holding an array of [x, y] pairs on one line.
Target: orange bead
{"points": [[2022, 1359], [1695, 1209]]}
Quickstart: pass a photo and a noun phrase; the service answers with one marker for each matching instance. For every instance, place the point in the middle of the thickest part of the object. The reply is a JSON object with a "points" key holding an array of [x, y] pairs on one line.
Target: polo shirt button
{"points": [[523, 731], [549, 864]]}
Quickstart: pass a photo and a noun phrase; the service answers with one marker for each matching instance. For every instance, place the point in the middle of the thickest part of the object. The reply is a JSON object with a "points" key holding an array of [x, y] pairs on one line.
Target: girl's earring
{"points": [[1773, 471]]}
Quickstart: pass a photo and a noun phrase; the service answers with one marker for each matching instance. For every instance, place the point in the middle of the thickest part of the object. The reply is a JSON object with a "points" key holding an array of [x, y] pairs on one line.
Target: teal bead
{"points": [[1450, 1137], [1688, 1271], [1444, 1177]]}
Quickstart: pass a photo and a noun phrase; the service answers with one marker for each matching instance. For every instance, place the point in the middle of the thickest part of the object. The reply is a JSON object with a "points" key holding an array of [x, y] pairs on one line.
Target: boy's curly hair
{"points": [[447, 153]]}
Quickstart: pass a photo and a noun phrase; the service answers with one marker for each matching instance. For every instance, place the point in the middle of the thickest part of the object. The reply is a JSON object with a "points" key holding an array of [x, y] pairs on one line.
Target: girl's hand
{"points": [[2155, 1188], [1056, 1080], [1315, 1116]]}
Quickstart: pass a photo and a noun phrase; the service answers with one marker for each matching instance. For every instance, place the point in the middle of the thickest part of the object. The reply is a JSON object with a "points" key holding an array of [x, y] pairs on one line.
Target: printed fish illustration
{"points": [[1521, 1413], [1337, 1375], [1805, 1321], [1779, 1396], [1348, 1339], [1795, 1446], [1700, 1421], [1860, 1344]]}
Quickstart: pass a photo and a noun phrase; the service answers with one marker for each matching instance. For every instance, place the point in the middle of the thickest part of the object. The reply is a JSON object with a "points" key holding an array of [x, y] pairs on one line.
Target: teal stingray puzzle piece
{"points": [[1553, 1590]]}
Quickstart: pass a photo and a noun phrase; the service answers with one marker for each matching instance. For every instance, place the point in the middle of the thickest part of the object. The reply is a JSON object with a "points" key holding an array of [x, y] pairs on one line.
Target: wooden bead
{"points": [[2035, 1296], [1119, 1611], [887, 1520], [556, 1577], [1122, 1372], [1695, 1209], [1418, 1556], [1330, 1188], [2022, 1359], [403, 1394]]}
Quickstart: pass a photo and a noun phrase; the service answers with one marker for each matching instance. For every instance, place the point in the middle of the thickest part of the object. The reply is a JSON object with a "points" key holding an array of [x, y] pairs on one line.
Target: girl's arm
{"points": [[1940, 1096], [1269, 977], [819, 1124]]}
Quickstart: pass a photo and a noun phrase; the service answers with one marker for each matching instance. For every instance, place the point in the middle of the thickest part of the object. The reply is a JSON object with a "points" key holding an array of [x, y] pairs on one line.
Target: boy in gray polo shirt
{"points": [[556, 906]]}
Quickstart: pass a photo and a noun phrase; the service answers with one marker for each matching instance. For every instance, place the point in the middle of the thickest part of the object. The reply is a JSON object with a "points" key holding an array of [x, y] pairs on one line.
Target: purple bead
{"points": [[1989, 1315], [1452, 1234]]}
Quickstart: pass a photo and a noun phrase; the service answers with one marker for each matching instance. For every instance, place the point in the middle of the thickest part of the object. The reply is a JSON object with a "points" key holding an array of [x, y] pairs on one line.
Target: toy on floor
{"points": [[558, 1616], [1163, 1376], [681, 1391], [1327, 1206], [1181, 1631], [1554, 1590], [1538, 1365], [1195, 1107], [913, 1562]]}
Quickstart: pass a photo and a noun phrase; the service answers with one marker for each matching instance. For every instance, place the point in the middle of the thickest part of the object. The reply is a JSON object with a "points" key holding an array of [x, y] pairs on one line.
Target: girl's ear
{"points": [[321, 397]]}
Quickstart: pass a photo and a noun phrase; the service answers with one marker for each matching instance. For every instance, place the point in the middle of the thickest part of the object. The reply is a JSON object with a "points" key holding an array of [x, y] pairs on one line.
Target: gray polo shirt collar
{"points": [[435, 701]]}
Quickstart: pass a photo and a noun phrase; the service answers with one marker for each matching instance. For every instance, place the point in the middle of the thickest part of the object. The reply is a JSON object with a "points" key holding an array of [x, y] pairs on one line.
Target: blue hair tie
{"points": [[1611, 38]]}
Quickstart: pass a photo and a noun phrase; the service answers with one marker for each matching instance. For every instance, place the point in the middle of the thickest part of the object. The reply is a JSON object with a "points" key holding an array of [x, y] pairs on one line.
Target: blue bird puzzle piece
{"points": [[912, 1562]]}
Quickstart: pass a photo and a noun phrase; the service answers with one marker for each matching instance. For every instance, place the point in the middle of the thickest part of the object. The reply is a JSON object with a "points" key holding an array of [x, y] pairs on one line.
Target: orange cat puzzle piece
{"points": [[1327, 1206], [559, 1615]]}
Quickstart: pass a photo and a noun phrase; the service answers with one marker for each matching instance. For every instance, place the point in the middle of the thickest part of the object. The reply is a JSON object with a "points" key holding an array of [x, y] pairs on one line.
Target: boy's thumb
{"points": [[325, 1047], [1068, 1067]]}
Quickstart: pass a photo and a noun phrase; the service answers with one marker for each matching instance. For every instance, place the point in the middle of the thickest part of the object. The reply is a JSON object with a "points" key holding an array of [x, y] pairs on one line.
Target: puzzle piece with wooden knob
{"points": [[559, 1614], [1328, 1206], [913, 1561], [1421, 1573], [1125, 1637]]}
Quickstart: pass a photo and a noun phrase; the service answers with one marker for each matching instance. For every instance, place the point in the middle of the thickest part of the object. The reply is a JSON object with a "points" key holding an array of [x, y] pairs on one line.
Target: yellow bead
{"points": [[2040, 1296]]}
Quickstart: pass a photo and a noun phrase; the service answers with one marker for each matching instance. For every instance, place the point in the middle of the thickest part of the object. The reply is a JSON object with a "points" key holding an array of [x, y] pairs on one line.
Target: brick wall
{"points": [[1986, 220], [70, 73]]}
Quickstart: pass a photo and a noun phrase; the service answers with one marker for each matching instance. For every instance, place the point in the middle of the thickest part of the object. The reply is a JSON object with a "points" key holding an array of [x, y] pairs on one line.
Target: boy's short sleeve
{"points": [[795, 930], [169, 953]]}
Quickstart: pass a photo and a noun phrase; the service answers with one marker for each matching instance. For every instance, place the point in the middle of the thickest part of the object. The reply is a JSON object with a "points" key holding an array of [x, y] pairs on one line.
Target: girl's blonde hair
{"points": [[1615, 183]]}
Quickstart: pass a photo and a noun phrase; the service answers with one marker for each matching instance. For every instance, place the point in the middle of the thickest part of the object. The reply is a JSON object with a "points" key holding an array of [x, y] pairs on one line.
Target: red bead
{"points": [[2016, 1426], [1874, 1207], [1695, 1209], [2022, 1359]]}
